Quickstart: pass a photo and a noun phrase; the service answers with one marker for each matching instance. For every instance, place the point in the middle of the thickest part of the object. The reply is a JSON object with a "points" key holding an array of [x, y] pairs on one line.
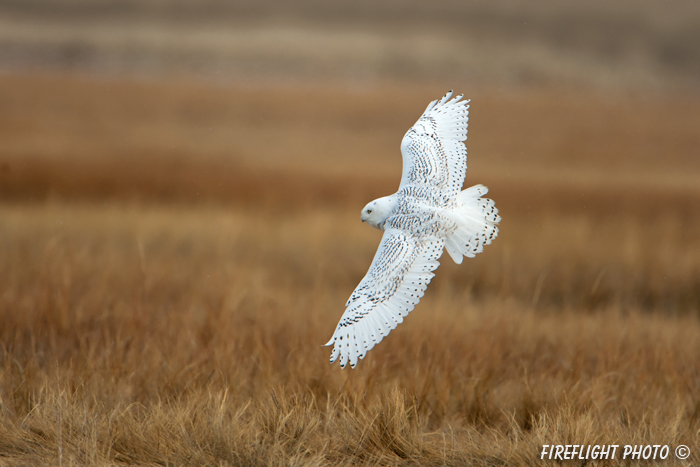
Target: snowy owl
{"points": [[429, 212]]}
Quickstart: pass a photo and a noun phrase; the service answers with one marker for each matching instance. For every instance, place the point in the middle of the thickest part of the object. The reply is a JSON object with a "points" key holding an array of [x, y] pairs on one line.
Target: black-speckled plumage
{"points": [[428, 213]]}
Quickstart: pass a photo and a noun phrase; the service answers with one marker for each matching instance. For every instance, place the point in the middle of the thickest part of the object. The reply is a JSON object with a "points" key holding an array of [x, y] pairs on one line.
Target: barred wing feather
{"points": [[394, 284], [433, 150]]}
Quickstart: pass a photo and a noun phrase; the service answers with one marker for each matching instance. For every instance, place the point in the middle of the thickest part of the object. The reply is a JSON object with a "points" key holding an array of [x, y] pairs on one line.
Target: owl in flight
{"points": [[429, 212]]}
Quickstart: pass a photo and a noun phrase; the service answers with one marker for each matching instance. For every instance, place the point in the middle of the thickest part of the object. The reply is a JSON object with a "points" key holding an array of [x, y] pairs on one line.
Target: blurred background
{"points": [[601, 92], [584, 116], [626, 45], [111, 98]]}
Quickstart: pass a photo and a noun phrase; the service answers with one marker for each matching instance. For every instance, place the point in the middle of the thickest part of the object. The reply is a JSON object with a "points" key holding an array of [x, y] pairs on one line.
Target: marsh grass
{"points": [[156, 335]]}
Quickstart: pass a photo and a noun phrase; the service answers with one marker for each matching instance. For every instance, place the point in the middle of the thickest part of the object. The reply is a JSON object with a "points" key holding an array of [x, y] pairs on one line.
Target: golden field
{"points": [[173, 256]]}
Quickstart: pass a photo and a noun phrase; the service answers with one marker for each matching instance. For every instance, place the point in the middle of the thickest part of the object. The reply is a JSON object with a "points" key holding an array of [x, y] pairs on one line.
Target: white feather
{"points": [[427, 214]]}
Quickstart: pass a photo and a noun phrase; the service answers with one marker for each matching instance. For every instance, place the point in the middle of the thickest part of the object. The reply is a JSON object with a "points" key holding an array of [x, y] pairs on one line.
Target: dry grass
{"points": [[140, 329]]}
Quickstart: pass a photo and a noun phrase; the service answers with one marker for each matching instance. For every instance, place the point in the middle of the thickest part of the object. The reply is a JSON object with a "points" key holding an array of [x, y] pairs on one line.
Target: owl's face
{"points": [[376, 212]]}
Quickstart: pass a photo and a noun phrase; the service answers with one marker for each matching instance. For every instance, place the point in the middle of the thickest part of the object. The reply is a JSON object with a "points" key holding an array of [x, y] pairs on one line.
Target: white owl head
{"points": [[376, 212]]}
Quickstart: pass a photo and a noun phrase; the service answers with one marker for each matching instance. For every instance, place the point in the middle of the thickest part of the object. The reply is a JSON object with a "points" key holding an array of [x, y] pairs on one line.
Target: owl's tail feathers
{"points": [[476, 219]]}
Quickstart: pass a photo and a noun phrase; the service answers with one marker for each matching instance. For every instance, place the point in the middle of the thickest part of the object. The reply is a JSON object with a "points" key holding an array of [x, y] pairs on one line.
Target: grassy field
{"points": [[173, 257]]}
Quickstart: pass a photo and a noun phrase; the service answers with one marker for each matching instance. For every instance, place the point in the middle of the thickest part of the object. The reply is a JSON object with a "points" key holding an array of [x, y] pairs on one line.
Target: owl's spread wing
{"points": [[394, 284], [433, 149]]}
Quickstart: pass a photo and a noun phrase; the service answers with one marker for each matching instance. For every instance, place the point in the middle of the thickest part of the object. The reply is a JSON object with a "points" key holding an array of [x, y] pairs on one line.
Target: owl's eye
{"points": [[369, 211]]}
